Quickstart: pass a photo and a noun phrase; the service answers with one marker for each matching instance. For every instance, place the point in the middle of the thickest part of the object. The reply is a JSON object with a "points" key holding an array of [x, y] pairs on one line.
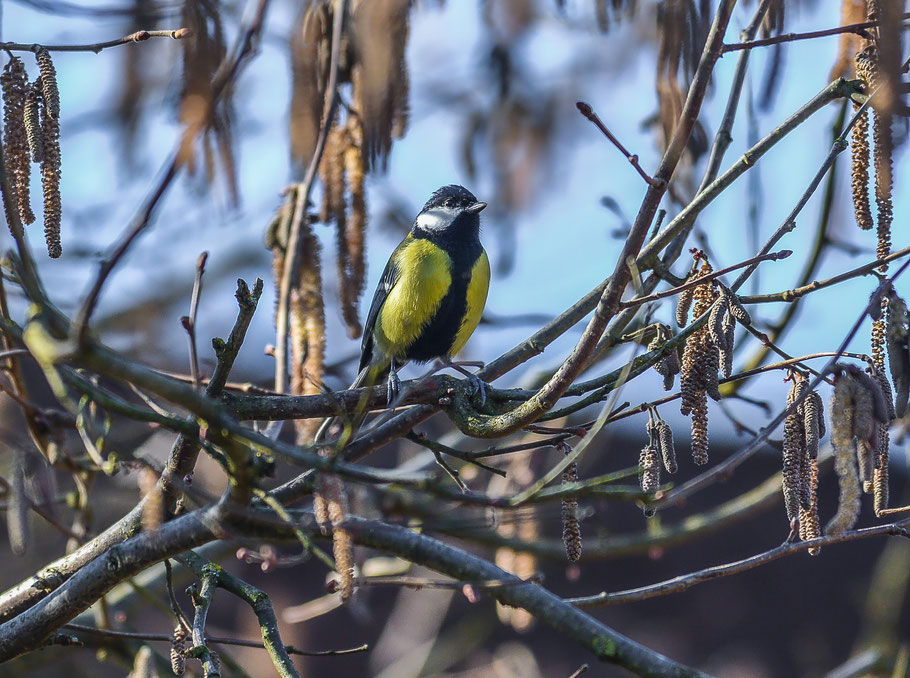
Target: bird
{"points": [[432, 291], [431, 294]]}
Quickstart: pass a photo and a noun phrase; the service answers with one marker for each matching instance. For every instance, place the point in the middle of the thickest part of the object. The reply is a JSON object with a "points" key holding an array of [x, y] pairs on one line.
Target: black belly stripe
{"points": [[439, 334]]}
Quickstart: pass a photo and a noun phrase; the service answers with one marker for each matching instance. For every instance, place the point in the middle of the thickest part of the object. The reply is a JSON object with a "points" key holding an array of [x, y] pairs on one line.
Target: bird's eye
{"points": [[450, 203]]}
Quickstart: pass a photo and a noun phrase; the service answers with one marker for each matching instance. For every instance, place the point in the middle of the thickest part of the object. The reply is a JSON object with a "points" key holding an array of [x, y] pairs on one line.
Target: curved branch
{"points": [[604, 642]]}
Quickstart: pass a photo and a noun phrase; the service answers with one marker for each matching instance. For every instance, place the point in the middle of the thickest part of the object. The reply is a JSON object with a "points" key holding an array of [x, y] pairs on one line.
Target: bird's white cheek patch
{"points": [[433, 220]]}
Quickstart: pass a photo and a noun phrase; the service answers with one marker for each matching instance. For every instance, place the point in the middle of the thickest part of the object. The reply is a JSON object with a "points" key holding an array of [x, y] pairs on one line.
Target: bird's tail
{"points": [[344, 428]]}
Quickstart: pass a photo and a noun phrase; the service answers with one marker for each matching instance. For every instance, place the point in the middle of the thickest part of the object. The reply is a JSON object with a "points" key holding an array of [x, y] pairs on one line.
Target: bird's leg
{"points": [[479, 385], [394, 383]]}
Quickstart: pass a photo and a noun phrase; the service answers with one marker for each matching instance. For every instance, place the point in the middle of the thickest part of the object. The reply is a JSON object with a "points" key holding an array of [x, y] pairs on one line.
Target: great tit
{"points": [[432, 292]]}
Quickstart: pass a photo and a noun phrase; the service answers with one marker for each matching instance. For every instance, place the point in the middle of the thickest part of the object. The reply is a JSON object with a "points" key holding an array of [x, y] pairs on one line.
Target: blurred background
{"points": [[487, 101]]}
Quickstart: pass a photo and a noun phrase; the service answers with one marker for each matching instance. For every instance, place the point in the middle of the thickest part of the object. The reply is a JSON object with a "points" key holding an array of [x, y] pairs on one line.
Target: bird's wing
{"points": [[390, 276]]}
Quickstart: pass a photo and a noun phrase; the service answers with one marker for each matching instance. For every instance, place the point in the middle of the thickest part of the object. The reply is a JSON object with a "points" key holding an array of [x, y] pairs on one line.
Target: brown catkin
{"points": [[571, 531], [842, 415], [809, 527], [682, 306], [50, 179], [794, 451], [668, 366], [321, 512], [331, 173], [884, 150], [667, 448], [178, 650], [865, 461], [726, 354], [698, 378], [673, 367], [700, 430], [881, 409], [711, 365], [877, 340], [860, 146], [14, 83], [880, 474], [859, 139], [737, 310], [719, 313], [49, 91], [813, 423], [330, 487], [649, 473], [884, 179], [307, 330], [878, 373], [355, 230], [689, 393], [32, 116], [864, 411]]}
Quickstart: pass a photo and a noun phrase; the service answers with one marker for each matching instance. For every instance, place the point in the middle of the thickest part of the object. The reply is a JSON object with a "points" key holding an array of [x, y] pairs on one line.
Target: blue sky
{"points": [[564, 243]]}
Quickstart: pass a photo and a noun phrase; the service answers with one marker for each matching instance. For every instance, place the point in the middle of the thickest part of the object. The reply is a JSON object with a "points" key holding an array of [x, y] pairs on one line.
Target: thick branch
{"points": [[603, 641]]}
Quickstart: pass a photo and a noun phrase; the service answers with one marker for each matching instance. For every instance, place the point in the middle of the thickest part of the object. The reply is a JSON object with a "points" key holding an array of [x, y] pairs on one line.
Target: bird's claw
{"points": [[480, 388], [394, 387]]}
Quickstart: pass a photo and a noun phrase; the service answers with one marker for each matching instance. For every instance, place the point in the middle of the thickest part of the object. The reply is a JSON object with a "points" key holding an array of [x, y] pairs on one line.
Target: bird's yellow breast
{"points": [[424, 278], [478, 286]]}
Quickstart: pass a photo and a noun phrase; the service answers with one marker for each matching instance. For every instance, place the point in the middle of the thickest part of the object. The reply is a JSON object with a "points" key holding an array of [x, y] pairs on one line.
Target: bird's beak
{"points": [[475, 208]]}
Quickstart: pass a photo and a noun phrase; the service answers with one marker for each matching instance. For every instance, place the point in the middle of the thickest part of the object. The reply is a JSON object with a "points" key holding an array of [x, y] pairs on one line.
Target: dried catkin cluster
{"points": [[571, 530], [659, 451], [31, 133], [858, 410], [15, 136], [306, 308], [371, 58], [725, 313], [802, 430], [880, 473], [206, 115], [342, 171], [860, 151], [701, 359], [668, 366], [178, 650], [878, 65], [330, 506]]}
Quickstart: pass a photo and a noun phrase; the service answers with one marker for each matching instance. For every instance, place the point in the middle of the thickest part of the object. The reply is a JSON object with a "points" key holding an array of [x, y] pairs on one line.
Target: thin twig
{"points": [[773, 256], [438, 448], [138, 36], [587, 111], [218, 640], [189, 321], [859, 29], [580, 670], [456, 584], [687, 581], [797, 292]]}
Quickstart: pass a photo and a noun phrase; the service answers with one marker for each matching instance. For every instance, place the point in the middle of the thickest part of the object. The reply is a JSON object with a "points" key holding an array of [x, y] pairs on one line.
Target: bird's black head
{"points": [[450, 208]]}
